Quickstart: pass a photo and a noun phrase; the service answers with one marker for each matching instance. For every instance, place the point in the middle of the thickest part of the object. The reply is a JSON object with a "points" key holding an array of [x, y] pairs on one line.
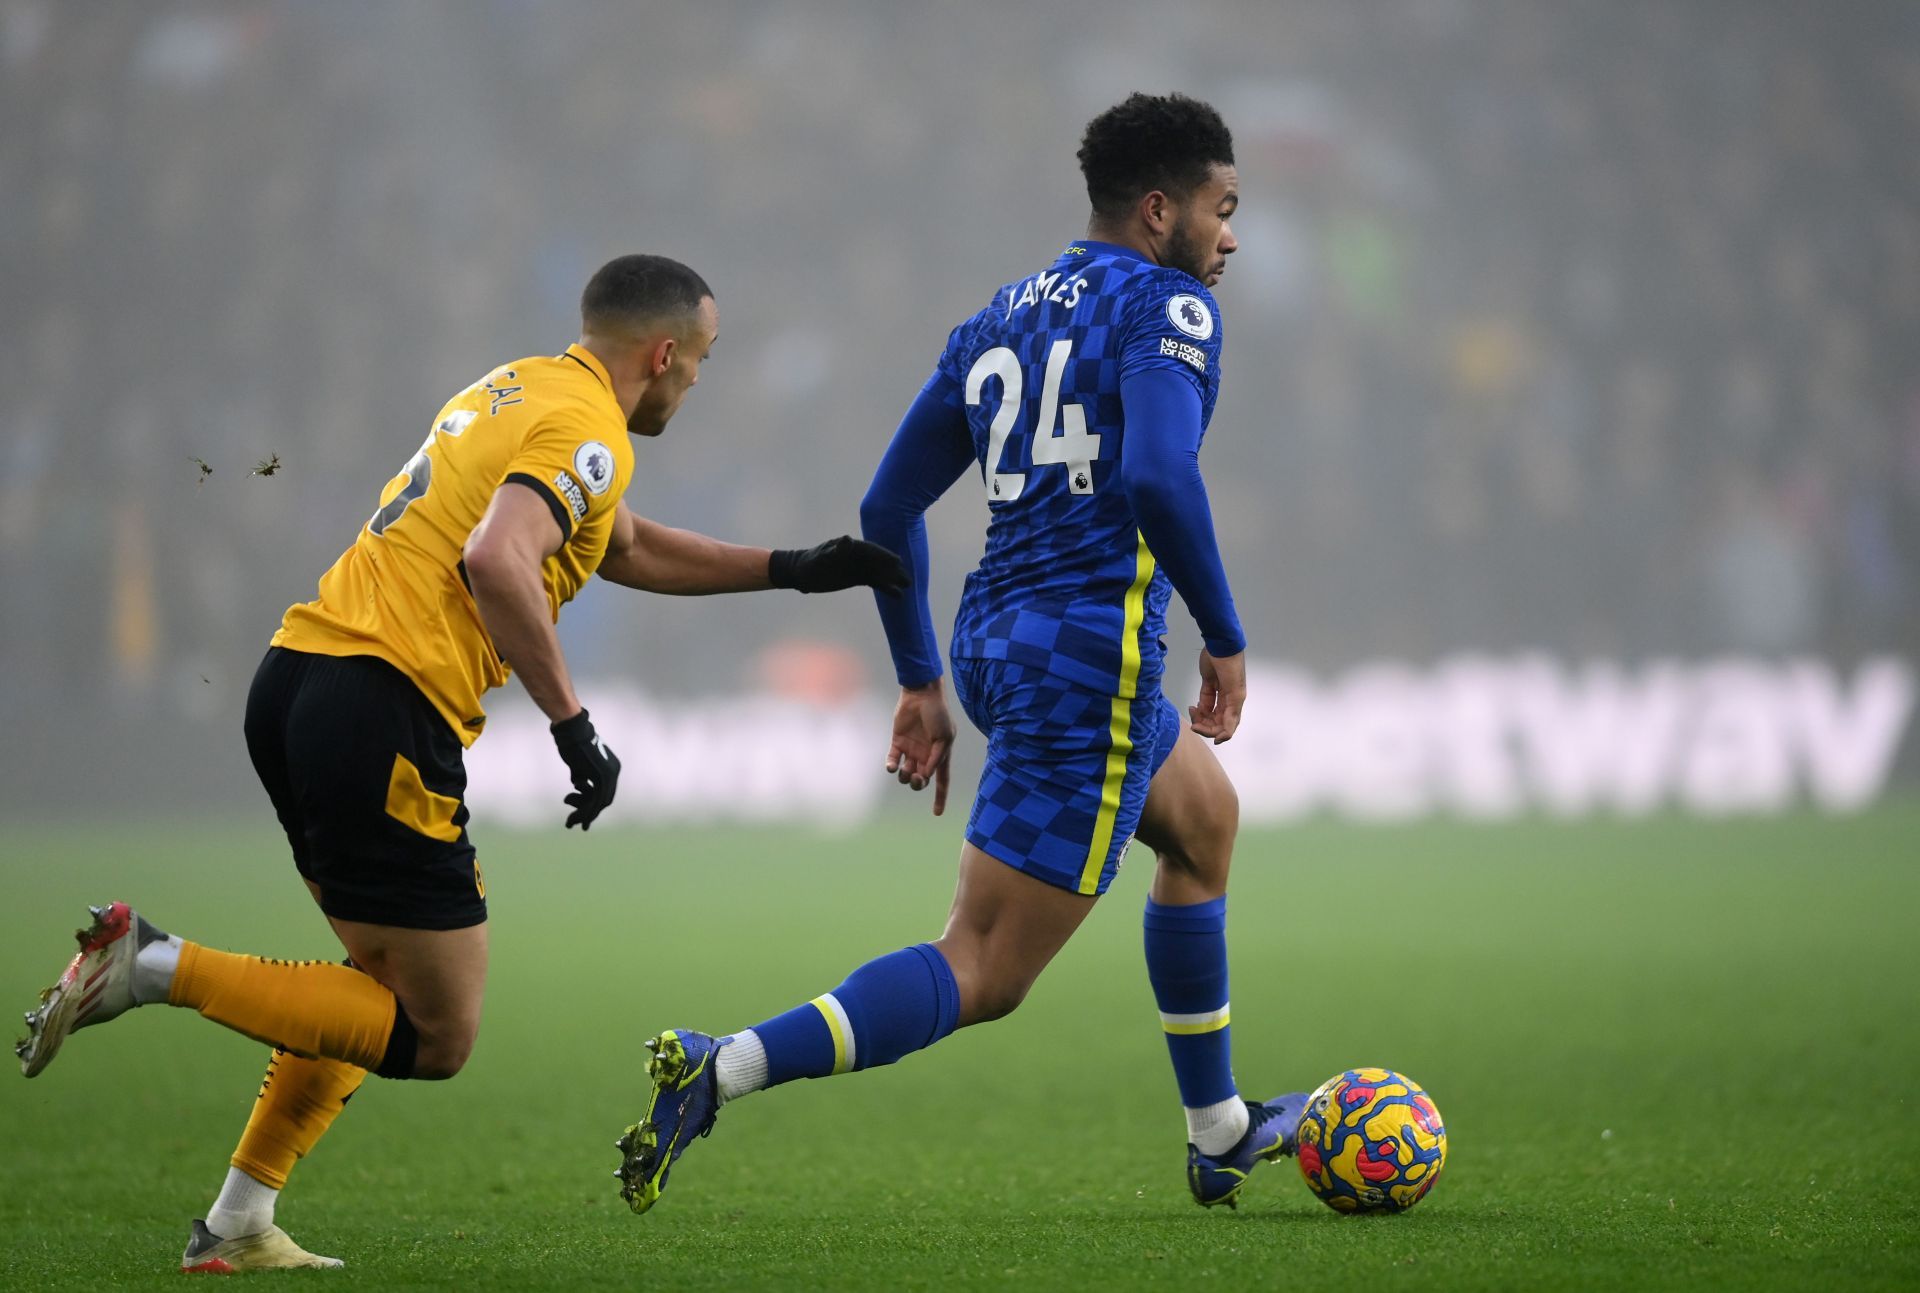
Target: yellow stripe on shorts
{"points": [[410, 803], [1121, 730]]}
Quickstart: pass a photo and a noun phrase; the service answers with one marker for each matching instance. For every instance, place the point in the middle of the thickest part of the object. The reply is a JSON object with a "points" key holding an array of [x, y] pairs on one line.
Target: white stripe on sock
{"points": [[1206, 1021]]}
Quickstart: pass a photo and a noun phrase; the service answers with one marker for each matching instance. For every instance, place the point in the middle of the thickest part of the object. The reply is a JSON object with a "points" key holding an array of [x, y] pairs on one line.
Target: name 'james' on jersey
{"points": [[400, 592], [1066, 582]]}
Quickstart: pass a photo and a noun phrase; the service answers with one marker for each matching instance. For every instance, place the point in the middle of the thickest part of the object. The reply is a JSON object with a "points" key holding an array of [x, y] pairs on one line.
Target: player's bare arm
{"points": [[503, 557], [657, 558]]}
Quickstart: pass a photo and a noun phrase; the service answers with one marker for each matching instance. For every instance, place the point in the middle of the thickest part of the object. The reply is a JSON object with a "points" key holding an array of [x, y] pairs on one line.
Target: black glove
{"points": [[595, 769], [836, 564]]}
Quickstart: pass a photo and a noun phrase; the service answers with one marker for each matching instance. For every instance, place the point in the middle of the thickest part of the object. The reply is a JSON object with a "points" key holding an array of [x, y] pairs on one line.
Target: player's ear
{"points": [[662, 357], [1156, 209]]}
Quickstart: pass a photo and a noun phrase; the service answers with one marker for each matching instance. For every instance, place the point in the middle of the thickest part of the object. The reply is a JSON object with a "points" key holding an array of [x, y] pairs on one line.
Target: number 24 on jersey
{"points": [[1072, 446]]}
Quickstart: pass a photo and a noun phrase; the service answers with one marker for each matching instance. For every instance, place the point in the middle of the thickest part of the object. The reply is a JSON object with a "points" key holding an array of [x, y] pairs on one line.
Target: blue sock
{"points": [[893, 1006], [1187, 965]]}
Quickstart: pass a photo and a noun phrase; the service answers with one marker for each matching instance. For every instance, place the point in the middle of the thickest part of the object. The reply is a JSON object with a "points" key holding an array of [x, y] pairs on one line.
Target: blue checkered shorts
{"points": [[1067, 769]]}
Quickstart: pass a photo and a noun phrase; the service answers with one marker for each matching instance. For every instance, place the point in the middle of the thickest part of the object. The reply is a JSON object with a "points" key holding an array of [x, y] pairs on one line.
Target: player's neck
{"points": [[626, 369], [1132, 239]]}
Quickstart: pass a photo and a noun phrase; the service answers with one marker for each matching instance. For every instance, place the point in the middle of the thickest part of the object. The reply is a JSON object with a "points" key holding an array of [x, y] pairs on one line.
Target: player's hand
{"points": [[839, 563], [922, 741], [595, 769], [1223, 690]]}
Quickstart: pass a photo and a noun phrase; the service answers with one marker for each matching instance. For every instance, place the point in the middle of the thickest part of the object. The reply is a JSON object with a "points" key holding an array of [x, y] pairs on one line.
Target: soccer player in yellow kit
{"points": [[359, 715]]}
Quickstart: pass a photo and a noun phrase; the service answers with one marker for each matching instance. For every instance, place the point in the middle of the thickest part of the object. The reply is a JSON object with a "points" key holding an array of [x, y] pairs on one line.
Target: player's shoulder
{"points": [[1160, 294], [985, 326]]}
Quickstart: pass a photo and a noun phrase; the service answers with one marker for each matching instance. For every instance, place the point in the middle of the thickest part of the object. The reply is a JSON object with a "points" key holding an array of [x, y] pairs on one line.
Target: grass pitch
{"points": [[1669, 1055]]}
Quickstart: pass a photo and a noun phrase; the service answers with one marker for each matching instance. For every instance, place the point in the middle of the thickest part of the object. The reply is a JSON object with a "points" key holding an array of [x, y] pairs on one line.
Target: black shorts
{"points": [[368, 782]]}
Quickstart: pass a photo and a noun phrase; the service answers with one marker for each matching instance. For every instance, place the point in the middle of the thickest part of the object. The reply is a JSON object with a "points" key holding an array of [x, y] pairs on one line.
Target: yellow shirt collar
{"points": [[594, 366]]}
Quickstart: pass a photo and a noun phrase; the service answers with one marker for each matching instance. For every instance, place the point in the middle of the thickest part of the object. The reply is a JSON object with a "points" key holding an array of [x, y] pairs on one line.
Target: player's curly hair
{"points": [[1148, 142], [636, 289]]}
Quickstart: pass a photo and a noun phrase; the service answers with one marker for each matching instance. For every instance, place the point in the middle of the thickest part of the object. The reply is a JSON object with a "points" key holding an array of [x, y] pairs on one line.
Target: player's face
{"points": [[661, 400], [1202, 238]]}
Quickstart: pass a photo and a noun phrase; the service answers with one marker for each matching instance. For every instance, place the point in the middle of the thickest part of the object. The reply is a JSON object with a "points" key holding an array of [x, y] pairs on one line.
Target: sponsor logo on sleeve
{"points": [[1185, 353], [571, 492], [593, 464], [1190, 314]]}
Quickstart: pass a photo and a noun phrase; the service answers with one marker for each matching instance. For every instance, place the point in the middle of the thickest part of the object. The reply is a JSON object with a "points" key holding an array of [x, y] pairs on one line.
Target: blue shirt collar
{"points": [[1087, 246]]}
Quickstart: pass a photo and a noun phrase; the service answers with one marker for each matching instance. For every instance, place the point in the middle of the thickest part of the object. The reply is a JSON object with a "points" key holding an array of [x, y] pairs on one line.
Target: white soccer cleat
{"points": [[96, 986], [270, 1250]]}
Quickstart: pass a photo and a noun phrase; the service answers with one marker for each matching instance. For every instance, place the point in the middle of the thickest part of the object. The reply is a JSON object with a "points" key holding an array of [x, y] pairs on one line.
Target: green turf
{"points": [[1671, 1055]]}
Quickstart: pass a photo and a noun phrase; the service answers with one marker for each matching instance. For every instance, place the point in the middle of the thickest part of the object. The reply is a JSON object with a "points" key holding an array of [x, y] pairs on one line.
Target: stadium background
{"points": [[1580, 329], [1561, 333]]}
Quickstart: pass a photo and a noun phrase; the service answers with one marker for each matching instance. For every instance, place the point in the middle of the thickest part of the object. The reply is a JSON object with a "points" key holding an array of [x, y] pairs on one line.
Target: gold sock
{"points": [[313, 1008], [299, 1099]]}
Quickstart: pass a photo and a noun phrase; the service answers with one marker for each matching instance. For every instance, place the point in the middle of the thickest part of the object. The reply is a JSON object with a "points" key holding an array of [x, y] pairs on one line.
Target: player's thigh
{"points": [[377, 782], [1190, 819], [1066, 771], [1003, 930], [440, 977]]}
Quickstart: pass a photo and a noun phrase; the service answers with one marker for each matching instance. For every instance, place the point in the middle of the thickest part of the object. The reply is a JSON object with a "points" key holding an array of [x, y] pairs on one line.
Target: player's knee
{"points": [[986, 992], [994, 999], [439, 1065], [1219, 818], [1209, 846], [443, 1052]]}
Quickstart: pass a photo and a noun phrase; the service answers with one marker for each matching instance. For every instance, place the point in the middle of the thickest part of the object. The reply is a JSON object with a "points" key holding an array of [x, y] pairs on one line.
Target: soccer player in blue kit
{"points": [[1080, 394]]}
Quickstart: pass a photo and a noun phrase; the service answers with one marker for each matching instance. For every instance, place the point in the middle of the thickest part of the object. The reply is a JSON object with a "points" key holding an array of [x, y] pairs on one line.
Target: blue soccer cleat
{"points": [[686, 1093], [1273, 1131]]}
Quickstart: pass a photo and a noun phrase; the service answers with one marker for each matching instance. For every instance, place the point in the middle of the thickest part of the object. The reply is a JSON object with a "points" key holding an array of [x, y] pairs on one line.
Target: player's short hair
{"points": [[634, 290], [1151, 141]]}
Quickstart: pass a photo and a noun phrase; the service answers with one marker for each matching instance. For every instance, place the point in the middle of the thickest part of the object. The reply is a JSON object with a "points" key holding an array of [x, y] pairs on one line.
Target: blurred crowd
{"points": [[1598, 331], [1590, 327]]}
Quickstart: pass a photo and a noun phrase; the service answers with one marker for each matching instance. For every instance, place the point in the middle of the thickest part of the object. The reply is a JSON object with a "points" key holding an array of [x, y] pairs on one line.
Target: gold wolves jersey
{"points": [[400, 592]]}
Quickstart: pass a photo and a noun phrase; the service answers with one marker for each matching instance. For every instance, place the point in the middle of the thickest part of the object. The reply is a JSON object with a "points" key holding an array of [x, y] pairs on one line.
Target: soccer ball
{"points": [[1371, 1141]]}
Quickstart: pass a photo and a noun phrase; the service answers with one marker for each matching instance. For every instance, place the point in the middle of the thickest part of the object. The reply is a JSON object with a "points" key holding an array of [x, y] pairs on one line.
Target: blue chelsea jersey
{"points": [[1066, 578]]}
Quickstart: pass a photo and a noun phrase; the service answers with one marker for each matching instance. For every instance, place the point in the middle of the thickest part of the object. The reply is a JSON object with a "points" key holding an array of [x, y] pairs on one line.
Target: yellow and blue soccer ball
{"points": [[1371, 1141]]}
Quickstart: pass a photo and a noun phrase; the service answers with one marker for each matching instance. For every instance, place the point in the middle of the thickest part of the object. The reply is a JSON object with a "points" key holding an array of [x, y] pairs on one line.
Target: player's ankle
{"points": [[1217, 1128], [740, 1065], [154, 966], [245, 1206]]}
